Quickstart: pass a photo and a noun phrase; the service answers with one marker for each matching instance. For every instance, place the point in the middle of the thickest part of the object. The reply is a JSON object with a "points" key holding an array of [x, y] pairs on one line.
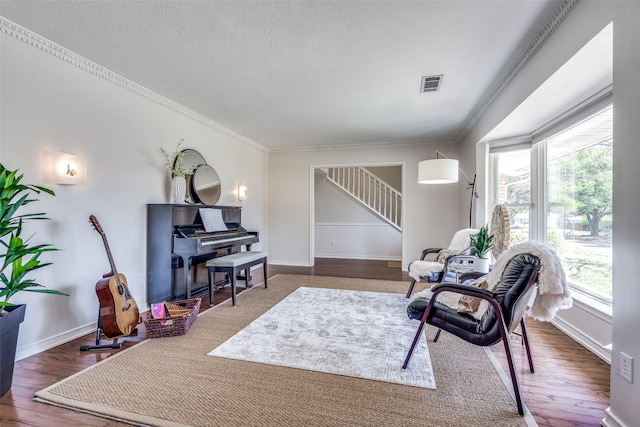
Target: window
{"points": [[579, 193], [513, 189], [572, 197]]}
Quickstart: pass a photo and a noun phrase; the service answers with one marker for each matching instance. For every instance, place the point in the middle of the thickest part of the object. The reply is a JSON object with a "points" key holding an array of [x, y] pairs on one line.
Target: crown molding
{"points": [[22, 34], [366, 145], [540, 39]]}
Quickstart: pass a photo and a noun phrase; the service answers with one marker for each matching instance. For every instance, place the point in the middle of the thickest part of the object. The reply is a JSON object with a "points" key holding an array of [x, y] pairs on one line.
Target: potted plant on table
{"points": [[482, 243], [19, 258]]}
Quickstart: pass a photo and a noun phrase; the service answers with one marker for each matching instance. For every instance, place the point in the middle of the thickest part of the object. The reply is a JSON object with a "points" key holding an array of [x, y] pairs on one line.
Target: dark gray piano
{"points": [[176, 238]]}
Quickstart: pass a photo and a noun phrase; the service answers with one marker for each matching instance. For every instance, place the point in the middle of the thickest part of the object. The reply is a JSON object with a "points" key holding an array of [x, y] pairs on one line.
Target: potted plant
{"points": [[174, 163], [482, 243], [19, 258]]}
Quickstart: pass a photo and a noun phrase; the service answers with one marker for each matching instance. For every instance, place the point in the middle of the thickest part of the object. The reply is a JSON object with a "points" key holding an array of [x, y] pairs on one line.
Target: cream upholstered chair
{"points": [[434, 270]]}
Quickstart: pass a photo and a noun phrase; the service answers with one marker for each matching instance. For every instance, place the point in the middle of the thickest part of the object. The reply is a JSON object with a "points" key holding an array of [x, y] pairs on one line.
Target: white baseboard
{"points": [[582, 339], [365, 257], [610, 420], [55, 340], [62, 338], [289, 263], [306, 264]]}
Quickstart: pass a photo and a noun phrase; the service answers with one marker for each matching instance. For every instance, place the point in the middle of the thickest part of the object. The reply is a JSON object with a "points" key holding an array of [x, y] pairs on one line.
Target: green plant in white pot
{"points": [[18, 259], [482, 243]]}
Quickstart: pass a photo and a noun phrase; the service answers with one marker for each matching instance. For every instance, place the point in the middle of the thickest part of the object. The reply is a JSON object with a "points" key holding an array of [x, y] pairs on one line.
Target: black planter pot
{"points": [[9, 326]]}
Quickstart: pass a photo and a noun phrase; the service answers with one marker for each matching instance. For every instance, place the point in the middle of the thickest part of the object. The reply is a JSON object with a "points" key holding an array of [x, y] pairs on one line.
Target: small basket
{"points": [[182, 314]]}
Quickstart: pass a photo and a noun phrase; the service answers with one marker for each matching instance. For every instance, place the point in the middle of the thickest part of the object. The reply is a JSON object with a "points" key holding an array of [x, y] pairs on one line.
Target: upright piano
{"points": [[176, 237]]}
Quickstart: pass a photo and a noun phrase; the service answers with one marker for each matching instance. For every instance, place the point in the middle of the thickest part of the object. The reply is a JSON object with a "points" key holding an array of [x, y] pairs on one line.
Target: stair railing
{"points": [[374, 193]]}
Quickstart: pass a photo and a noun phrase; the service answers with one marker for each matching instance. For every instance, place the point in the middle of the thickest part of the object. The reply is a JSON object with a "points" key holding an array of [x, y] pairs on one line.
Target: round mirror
{"points": [[191, 158], [205, 185]]}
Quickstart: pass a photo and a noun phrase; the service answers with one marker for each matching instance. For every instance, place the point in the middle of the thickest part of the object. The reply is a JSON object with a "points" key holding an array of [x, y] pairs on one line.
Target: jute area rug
{"points": [[173, 382]]}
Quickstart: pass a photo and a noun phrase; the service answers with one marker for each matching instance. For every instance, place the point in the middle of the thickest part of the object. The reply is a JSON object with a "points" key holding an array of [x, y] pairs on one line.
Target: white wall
{"points": [[333, 204], [586, 20], [345, 228], [392, 175], [430, 211], [50, 105], [626, 206], [357, 241]]}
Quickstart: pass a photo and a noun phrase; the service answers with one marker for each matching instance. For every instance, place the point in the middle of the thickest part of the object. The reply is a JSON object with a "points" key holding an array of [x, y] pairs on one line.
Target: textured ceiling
{"points": [[303, 74]]}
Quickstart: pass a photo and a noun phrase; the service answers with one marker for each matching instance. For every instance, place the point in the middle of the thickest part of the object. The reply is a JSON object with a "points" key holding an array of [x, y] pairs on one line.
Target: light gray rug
{"points": [[353, 333]]}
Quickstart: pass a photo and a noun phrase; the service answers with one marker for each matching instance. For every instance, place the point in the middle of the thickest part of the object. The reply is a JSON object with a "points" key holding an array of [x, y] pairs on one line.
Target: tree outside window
{"points": [[579, 198]]}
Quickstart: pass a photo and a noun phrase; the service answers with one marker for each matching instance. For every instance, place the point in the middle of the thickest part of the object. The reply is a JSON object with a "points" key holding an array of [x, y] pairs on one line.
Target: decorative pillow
{"points": [[444, 254], [450, 299], [469, 304]]}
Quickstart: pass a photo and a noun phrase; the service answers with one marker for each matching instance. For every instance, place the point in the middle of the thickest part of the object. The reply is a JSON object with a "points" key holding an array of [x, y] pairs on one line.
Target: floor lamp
{"points": [[445, 171]]}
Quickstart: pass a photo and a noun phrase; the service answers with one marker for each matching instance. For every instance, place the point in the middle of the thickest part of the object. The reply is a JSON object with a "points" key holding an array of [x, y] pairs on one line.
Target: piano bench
{"points": [[232, 264]]}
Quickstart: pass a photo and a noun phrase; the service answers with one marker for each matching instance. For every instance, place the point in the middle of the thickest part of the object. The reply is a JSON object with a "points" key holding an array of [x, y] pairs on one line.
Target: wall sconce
{"points": [[66, 169], [242, 193]]}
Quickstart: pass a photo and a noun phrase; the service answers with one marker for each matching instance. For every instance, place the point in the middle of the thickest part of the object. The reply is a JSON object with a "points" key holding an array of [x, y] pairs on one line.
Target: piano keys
{"points": [[176, 237]]}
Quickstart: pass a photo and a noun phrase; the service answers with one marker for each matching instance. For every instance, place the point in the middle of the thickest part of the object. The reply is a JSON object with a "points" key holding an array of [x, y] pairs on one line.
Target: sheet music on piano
{"points": [[212, 220]]}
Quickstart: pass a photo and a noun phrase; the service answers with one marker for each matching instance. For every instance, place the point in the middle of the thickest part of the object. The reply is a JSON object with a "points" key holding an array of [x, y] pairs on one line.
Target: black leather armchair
{"points": [[508, 301]]}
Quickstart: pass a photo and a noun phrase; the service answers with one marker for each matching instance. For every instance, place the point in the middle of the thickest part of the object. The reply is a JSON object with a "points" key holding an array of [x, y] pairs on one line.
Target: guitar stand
{"points": [[98, 346]]}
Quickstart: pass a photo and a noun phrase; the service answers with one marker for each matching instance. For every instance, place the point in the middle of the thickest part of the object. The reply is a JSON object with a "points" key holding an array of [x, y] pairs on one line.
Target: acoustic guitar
{"points": [[119, 312]]}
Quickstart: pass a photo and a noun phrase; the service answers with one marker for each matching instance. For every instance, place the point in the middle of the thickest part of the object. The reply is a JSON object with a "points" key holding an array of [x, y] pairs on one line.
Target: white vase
{"points": [[481, 265], [178, 189]]}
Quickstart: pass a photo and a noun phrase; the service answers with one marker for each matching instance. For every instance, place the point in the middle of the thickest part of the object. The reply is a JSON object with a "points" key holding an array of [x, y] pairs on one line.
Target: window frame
{"points": [[494, 184], [538, 179]]}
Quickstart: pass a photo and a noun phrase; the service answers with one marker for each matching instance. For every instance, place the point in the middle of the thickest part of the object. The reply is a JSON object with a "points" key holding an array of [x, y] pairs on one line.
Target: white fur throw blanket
{"points": [[460, 243], [418, 269], [553, 292]]}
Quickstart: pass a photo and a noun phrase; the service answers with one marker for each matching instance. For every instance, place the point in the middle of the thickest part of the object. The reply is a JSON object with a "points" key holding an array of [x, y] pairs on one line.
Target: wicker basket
{"points": [[182, 314]]}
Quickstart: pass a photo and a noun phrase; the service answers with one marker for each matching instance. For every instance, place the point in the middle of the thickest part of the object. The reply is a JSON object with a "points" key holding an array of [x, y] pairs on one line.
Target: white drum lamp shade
{"points": [[438, 171]]}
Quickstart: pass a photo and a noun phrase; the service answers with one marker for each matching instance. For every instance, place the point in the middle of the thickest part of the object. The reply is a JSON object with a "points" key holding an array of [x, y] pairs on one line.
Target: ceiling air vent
{"points": [[430, 83]]}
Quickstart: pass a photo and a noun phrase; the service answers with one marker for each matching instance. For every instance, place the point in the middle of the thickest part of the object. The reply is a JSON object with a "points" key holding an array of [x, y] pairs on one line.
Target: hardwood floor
{"points": [[569, 388]]}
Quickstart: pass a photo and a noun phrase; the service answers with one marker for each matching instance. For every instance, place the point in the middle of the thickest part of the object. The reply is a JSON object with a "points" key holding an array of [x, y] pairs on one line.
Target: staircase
{"points": [[378, 196]]}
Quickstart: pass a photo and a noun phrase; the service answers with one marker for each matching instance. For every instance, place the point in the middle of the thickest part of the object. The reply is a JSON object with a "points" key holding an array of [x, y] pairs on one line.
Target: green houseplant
{"points": [[19, 258], [482, 243]]}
